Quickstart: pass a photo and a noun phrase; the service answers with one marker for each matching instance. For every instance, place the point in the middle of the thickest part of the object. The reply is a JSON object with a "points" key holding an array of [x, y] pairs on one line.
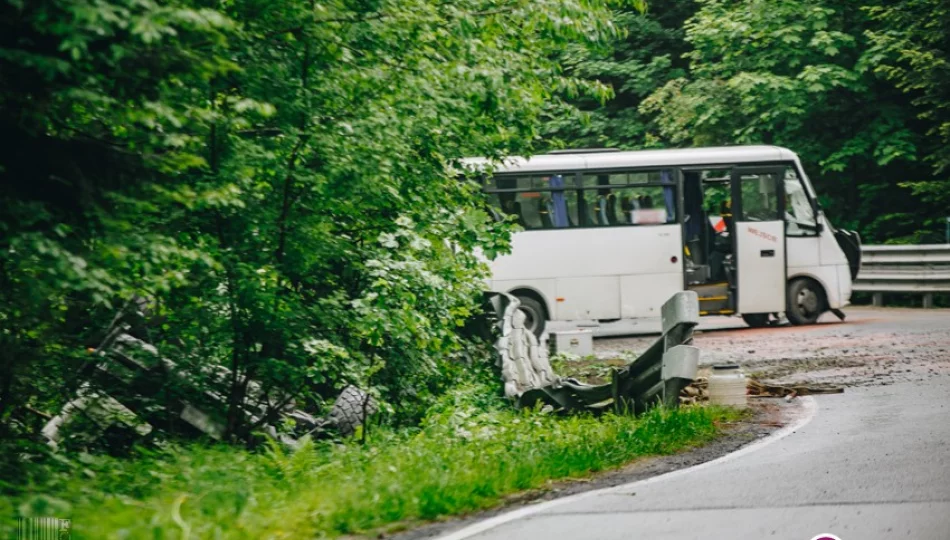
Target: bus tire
{"points": [[756, 320], [535, 314], [805, 301]]}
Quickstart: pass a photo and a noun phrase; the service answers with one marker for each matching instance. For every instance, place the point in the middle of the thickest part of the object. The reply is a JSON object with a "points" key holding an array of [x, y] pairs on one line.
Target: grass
{"points": [[464, 458]]}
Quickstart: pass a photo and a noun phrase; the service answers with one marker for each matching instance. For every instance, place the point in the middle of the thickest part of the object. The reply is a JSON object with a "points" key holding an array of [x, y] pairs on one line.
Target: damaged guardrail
{"points": [[656, 376], [129, 391]]}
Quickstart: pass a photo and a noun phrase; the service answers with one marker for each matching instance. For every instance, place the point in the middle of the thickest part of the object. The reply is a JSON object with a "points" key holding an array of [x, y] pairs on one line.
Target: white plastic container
{"points": [[727, 386], [579, 342]]}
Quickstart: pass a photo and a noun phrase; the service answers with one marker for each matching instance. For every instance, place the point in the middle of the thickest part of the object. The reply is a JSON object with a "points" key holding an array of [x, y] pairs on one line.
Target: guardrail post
{"points": [[680, 364], [928, 300], [877, 299]]}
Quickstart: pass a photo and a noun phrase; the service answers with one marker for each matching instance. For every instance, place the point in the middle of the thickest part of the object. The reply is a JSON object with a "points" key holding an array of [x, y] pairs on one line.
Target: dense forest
{"points": [[278, 178], [858, 89]]}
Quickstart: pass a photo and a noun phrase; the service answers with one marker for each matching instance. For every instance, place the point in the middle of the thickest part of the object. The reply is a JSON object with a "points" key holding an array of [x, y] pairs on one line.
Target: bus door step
{"points": [[714, 299]]}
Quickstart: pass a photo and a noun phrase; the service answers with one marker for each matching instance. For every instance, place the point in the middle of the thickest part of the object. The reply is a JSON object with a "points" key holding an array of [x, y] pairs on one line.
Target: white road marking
{"points": [[808, 412]]}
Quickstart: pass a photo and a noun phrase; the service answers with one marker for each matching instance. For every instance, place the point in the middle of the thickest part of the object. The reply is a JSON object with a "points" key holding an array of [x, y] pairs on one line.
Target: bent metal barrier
{"points": [[129, 387], [656, 376]]}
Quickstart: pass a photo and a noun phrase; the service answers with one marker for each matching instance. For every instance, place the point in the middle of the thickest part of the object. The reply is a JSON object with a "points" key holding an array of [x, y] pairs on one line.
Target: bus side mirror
{"points": [[817, 227]]}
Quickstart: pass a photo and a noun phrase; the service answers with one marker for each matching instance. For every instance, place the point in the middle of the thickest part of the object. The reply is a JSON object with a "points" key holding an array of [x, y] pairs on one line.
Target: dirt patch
{"points": [[872, 347], [591, 370], [768, 415]]}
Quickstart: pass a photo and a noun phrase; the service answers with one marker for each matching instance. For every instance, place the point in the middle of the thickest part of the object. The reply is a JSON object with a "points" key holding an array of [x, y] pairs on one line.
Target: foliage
{"points": [[910, 46], [470, 452], [857, 89], [648, 54], [88, 103], [798, 76], [275, 176]]}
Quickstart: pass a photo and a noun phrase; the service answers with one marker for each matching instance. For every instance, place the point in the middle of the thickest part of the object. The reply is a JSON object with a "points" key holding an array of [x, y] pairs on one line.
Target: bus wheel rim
{"points": [[807, 301]]}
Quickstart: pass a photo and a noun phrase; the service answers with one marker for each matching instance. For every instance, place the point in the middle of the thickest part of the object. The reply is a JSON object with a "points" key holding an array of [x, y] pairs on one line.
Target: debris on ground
{"points": [[760, 389], [698, 391]]}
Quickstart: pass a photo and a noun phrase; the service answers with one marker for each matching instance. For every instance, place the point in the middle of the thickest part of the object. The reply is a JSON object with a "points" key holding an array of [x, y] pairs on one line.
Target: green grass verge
{"points": [[461, 460]]}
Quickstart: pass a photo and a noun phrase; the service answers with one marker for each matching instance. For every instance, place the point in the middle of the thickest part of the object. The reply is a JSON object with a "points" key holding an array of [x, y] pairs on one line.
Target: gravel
{"points": [[872, 347]]}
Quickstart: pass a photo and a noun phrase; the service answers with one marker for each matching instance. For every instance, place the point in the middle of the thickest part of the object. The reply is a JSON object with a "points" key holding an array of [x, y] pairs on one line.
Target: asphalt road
{"points": [[872, 463]]}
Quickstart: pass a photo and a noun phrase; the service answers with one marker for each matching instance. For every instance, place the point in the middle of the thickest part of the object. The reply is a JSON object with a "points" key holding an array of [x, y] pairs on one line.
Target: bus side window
{"points": [[553, 201], [530, 210], [587, 208], [641, 206], [526, 207]]}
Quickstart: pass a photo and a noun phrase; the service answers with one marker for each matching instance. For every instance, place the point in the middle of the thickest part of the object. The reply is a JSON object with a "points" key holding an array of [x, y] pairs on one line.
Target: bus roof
{"points": [[685, 157]]}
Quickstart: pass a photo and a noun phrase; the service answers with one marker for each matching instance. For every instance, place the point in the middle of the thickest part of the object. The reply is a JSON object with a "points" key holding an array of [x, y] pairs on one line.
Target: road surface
{"points": [[870, 464]]}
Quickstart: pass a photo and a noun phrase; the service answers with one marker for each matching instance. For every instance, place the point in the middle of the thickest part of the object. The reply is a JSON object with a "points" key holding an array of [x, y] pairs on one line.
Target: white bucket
{"points": [[727, 386]]}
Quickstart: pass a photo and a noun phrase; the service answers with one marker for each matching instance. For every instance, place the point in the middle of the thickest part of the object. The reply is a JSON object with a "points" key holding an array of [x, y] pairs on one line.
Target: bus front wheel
{"points": [[534, 315], [805, 301]]}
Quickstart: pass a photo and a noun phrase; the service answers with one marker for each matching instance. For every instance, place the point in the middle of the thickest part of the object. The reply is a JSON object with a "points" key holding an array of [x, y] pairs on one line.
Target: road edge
{"points": [[804, 416]]}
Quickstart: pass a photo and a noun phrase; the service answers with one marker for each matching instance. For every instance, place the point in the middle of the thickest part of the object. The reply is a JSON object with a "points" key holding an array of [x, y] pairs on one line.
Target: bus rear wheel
{"points": [[535, 315], [805, 301], [756, 320]]}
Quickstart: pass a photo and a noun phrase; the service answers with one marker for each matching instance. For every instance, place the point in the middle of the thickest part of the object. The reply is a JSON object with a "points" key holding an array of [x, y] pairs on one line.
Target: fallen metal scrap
{"points": [[656, 376], [130, 390]]}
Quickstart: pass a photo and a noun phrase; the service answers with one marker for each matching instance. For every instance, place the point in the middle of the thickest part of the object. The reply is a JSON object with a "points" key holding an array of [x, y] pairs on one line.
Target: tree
{"points": [[799, 75], [910, 46], [90, 102], [647, 55], [277, 176]]}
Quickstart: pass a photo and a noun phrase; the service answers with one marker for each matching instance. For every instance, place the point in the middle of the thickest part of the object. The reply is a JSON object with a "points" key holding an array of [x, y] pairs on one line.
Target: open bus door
{"points": [[759, 242]]}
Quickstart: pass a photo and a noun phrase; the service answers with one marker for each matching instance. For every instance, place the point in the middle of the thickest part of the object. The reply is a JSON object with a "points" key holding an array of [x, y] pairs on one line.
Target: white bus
{"points": [[611, 235]]}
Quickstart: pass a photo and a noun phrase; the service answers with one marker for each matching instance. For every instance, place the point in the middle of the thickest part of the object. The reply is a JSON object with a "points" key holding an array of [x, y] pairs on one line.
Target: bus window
{"points": [[513, 183], [759, 197], [604, 200], [799, 214], [596, 205], [508, 205], [647, 206], [604, 203], [561, 207], [536, 202], [526, 207]]}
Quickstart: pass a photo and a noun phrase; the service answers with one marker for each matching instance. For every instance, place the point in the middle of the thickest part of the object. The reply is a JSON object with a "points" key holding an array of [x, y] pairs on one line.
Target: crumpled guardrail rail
{"points": [[656, 376]]}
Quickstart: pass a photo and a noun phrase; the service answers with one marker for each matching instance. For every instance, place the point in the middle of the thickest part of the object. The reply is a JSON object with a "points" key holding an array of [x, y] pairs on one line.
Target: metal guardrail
{"points": [[921, 269], [655, 377]]}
